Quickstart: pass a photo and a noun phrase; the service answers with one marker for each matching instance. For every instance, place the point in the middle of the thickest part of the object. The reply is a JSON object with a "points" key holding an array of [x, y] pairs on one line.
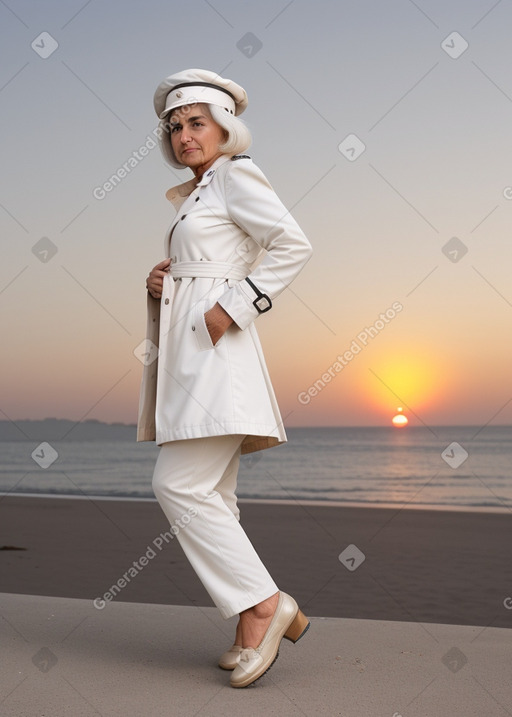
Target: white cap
{"points": [[192, 87], [196, 86]]}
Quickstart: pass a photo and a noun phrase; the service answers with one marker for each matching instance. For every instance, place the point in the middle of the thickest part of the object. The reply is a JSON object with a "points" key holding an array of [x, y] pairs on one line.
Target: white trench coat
{"points": [[230, 225]]}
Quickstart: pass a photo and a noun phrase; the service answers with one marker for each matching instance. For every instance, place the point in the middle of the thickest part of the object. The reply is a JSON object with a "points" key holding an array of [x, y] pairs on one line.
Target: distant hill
{"points": [[58, 429]]}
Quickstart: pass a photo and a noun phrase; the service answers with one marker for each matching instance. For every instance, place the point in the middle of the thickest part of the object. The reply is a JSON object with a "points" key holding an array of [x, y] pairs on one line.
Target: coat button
{"points": [[193, 328], [183, 217], [197, 199], [166, 301]]}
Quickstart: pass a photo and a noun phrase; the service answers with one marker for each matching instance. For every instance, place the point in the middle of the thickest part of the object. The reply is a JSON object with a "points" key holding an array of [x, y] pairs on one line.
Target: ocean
{"points": [[459, 467]]}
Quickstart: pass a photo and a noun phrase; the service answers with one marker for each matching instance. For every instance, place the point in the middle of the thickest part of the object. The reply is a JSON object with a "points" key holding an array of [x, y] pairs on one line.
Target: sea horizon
{"points": [[441, 467]]}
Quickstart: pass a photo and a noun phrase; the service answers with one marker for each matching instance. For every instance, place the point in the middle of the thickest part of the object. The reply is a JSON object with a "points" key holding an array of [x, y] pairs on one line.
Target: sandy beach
{"points": [[411, 622], [407, 565]]}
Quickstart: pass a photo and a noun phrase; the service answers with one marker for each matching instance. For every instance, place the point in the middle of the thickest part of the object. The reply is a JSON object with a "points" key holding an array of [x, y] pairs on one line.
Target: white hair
{"points": [[239, 136], [238, 140]]}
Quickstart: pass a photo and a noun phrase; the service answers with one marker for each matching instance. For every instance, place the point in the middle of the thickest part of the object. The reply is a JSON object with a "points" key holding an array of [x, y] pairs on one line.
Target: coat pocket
{"points": [[203, 338]]}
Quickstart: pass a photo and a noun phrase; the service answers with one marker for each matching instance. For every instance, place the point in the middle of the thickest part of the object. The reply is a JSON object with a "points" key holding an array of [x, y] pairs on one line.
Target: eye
{"points": [[175, 127]]}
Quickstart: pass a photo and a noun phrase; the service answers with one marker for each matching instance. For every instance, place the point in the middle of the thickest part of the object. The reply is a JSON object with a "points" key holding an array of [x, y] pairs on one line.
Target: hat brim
{"points": [[200, 77], [175, 106]]}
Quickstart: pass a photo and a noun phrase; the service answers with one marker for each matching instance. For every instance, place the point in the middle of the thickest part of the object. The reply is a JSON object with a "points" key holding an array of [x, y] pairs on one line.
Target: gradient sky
{"points": [[437, 168]]}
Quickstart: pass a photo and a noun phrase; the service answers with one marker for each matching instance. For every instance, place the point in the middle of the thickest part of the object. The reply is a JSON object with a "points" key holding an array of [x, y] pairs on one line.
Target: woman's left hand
{"points": [[217, 322]]}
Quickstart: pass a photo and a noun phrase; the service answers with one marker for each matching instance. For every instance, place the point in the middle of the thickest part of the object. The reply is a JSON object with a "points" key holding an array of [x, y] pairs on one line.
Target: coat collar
{"points": [[180, 192]]}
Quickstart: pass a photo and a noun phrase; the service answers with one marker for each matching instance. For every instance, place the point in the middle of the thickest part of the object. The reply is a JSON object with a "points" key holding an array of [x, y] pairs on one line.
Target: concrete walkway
{"points": [[61, 657]]}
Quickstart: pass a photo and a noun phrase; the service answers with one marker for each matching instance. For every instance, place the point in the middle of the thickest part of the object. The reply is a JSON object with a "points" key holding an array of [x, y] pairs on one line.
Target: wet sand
{"points": [[419, 565]]}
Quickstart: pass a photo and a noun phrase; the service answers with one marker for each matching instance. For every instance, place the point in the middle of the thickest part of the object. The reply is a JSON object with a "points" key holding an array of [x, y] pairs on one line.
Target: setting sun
{"points": [[411, 377], [400, 421]]}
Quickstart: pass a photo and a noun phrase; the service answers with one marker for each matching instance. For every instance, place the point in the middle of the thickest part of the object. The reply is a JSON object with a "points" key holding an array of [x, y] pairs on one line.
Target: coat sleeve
{"points": [[254, 206]]}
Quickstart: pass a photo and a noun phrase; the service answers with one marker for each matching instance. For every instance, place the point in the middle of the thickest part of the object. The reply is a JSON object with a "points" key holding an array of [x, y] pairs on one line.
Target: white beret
{"points": [[194, 86]]}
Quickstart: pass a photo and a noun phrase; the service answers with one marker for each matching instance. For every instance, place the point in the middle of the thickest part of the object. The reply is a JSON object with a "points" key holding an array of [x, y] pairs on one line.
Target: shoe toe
{"points": [[229, 660], [251, 666]]}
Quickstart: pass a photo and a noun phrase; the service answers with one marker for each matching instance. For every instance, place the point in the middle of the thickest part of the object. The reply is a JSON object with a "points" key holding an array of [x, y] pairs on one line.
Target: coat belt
{"points": [[207, 269]]}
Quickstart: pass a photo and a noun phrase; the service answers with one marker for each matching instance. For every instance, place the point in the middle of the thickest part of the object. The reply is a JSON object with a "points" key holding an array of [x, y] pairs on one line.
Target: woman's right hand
{"points": [[155, 280]]}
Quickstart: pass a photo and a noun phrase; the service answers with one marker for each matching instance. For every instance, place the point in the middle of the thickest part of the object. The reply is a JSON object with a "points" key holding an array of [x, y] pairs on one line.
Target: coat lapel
{"points": [[179, 194]]}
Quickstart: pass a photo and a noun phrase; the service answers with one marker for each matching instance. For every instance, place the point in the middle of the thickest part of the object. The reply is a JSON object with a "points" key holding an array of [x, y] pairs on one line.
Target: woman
{"points": [[207, 397]]}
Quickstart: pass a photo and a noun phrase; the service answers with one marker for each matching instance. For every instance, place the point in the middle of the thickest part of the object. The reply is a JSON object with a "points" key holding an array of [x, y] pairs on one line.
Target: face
{"points": [[195, 137]]}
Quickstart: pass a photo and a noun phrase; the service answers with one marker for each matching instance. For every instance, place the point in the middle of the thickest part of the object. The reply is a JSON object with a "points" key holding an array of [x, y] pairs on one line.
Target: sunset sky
{"points": [[420, 220]]}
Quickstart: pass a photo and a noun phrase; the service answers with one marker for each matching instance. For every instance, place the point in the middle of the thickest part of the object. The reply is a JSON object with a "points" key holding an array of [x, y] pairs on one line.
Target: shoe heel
{"points": [[298, 627]]}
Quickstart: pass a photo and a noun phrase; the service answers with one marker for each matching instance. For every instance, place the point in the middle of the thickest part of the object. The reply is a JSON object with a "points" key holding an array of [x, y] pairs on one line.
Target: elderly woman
{"points": [[206, 396]]}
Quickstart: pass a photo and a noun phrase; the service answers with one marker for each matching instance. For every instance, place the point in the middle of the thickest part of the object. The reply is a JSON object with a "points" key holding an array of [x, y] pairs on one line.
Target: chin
{"points": [[190, 161]]}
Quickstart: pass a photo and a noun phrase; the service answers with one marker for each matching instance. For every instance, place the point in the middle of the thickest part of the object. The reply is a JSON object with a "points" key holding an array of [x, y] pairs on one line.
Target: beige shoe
{"points": [[288, 622], [229, 660]]}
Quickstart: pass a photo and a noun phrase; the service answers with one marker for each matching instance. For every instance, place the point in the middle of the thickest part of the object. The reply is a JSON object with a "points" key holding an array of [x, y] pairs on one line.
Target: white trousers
{"points": [[195, 481]]}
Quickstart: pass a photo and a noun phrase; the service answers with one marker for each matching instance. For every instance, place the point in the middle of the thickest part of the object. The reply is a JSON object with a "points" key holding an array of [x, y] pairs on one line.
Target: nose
{"points": [[185, 136]]}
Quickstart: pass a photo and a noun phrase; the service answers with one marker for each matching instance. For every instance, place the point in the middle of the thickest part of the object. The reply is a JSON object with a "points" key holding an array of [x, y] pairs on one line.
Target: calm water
{"points": [[351, 465]]}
